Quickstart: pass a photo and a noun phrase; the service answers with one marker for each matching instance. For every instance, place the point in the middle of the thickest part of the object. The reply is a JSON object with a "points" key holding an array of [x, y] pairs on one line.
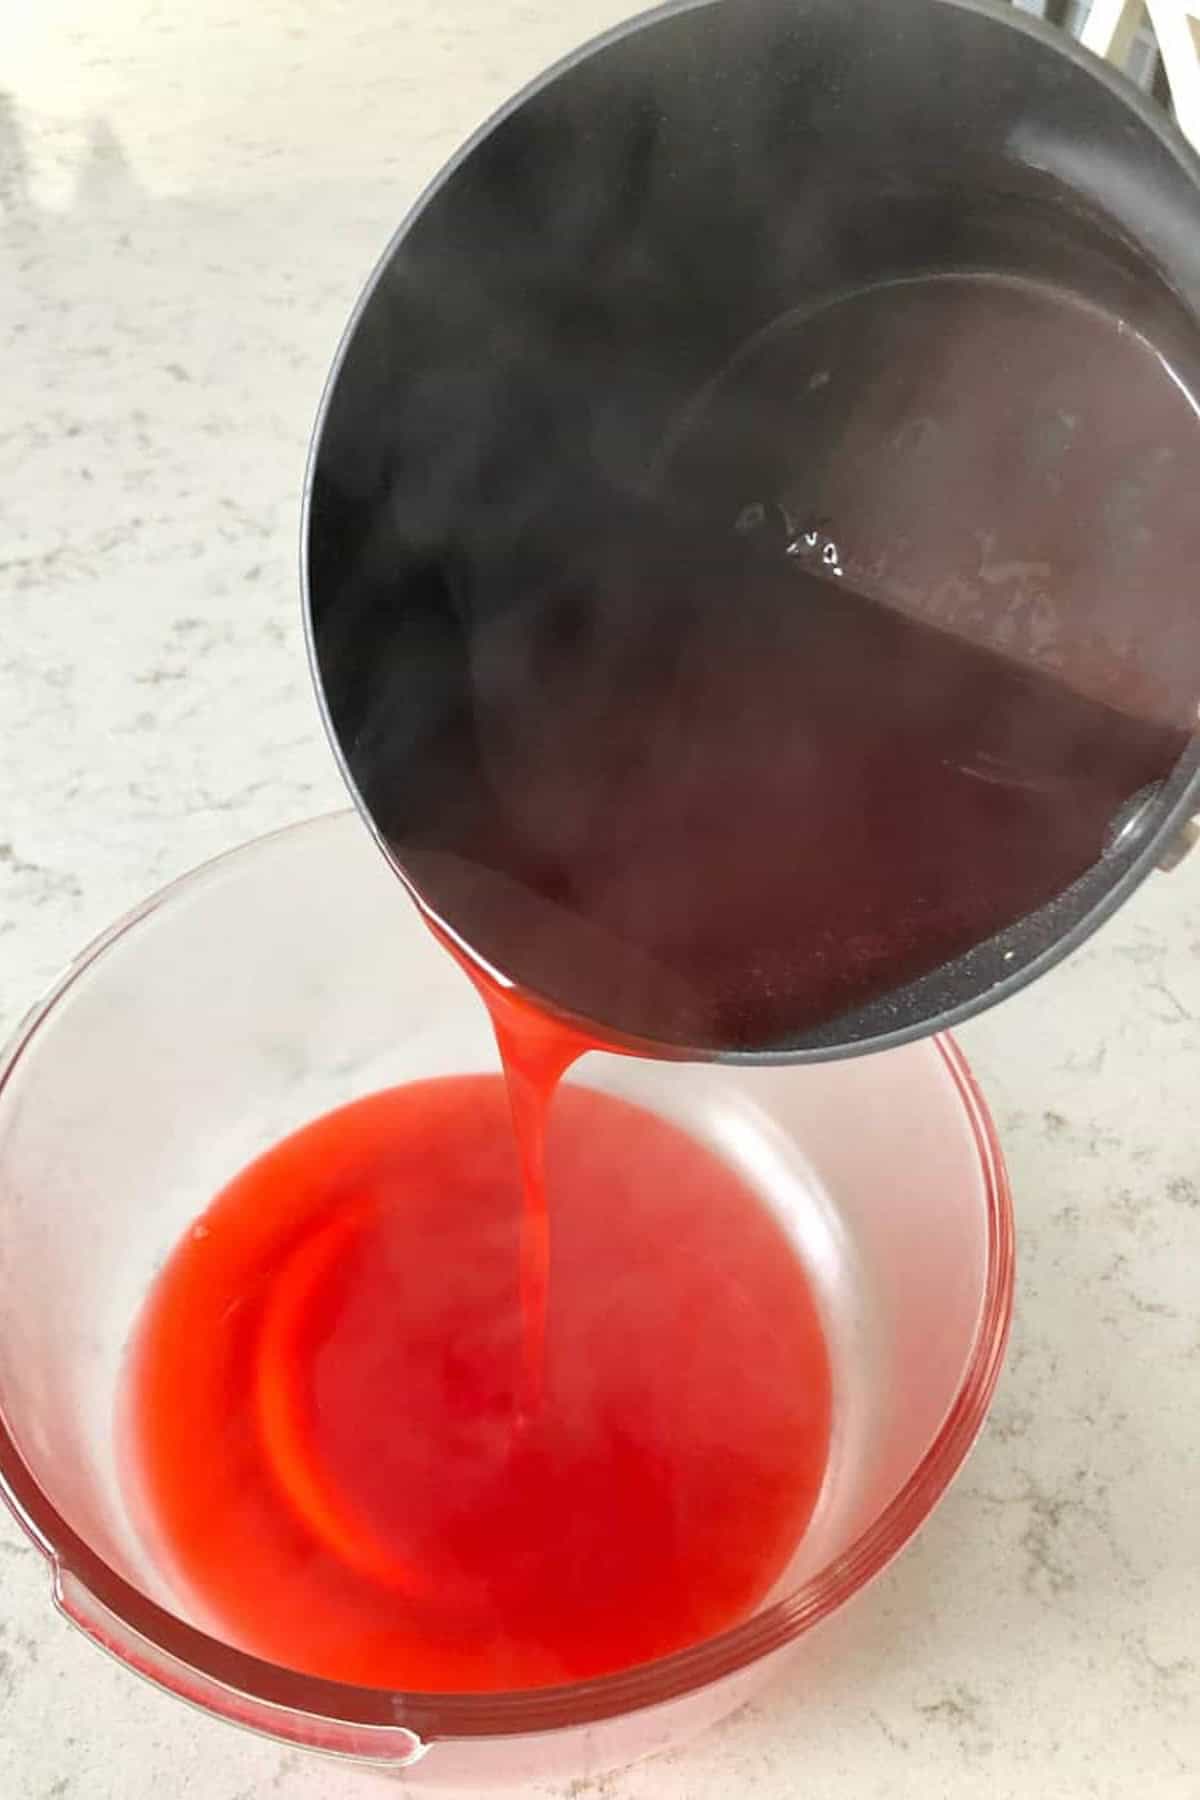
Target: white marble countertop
{"points": [[190, 198]]}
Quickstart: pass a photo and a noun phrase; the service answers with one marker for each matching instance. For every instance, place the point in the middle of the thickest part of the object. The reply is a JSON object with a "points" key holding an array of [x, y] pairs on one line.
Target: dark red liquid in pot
{"points": [[337, 1450], [704, 792]]}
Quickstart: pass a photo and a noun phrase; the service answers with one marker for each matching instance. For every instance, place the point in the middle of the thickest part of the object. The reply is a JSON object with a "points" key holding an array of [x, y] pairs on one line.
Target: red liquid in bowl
{"points": [[336, 1444]]}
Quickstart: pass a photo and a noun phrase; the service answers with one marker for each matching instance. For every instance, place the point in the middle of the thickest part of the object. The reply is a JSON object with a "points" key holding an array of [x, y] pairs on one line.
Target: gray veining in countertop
{"points": [[189, 200]]}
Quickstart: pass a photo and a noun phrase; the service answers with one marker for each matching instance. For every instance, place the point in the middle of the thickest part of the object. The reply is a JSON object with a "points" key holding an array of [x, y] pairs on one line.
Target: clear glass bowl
{"points": [[293, 975]]}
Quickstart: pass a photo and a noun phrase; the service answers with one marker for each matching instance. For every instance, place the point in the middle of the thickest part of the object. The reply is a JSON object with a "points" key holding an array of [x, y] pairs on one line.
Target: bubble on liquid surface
{"points": [[751, 518], [766, 524]]}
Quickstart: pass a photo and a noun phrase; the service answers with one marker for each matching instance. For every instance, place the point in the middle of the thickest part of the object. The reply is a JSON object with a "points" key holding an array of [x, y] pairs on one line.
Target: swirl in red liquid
{"points": [[336, 1445]]}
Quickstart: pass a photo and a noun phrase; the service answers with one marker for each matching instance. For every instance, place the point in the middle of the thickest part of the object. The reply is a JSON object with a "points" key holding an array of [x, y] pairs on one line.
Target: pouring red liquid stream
{"points": [[536, 1052]]}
